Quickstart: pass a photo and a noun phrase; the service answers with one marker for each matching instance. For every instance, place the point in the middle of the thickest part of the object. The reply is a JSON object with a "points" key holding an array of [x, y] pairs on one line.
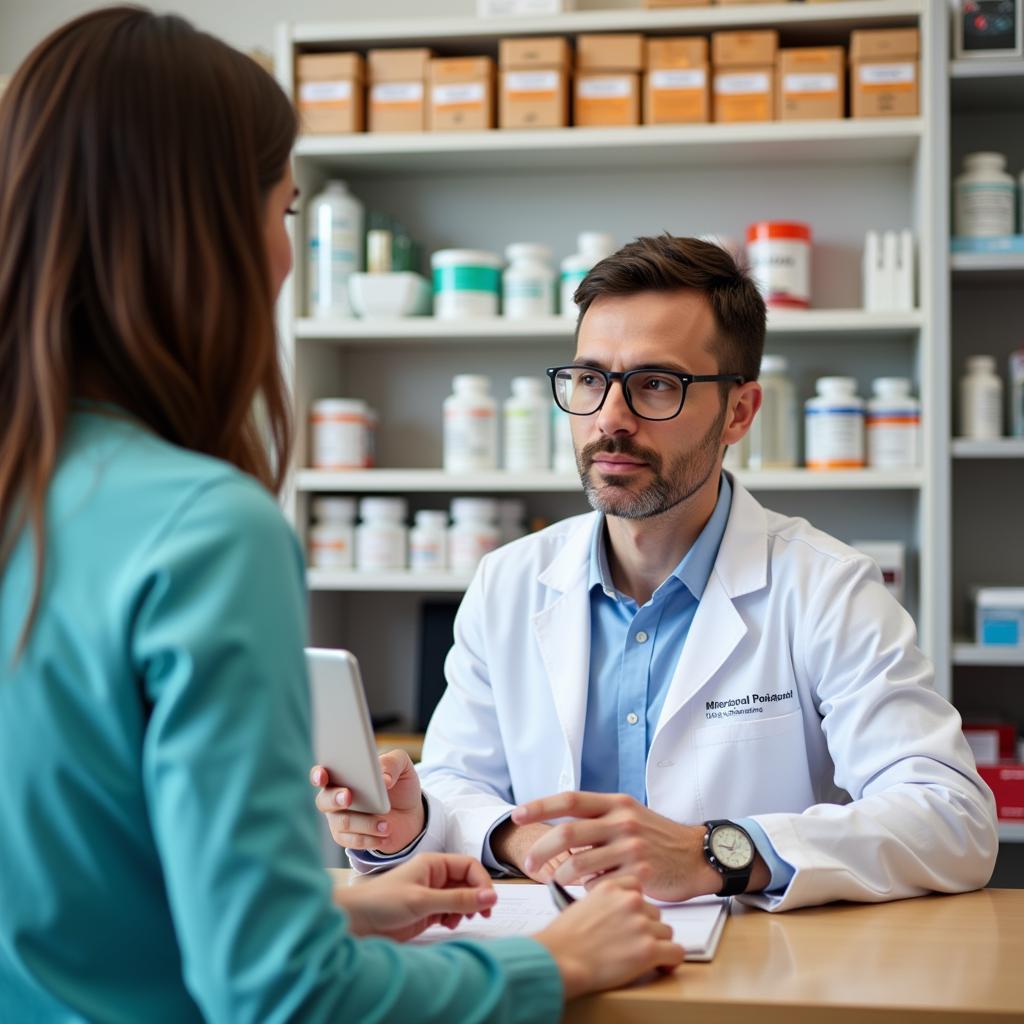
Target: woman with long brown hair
{"points": [[158, 857]]}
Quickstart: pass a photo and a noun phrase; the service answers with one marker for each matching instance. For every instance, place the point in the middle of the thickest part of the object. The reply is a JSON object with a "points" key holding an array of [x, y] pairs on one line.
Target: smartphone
{"points": [[342, 735]]}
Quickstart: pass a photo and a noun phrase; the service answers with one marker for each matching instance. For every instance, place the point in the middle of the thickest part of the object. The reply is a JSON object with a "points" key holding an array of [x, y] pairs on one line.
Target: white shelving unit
{"points": [[967, 653], [487, 189], [1001, 448]]}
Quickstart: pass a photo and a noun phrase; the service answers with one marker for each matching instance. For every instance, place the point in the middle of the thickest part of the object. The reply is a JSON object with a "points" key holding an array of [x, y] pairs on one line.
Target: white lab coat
{"points": [[857, 770]]}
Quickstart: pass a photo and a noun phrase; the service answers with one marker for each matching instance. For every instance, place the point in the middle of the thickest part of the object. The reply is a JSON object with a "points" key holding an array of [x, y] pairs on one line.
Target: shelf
{"points": [[1000, 448], [465, 34], [965, 653], [979, 84], [410, 742], [875, 140], [437, 481], [984, 268], [1011, 832], [397, 581]]}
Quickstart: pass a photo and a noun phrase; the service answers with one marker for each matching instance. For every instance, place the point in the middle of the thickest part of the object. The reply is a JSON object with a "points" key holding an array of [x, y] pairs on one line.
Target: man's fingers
{"points": [[568, 805], [360, 824], [454, 901], [568, 836], [615, 856], [318, 775], [337, 798], [393, 764]]}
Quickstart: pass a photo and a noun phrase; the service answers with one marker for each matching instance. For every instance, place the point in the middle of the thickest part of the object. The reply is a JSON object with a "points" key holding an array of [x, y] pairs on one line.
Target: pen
{"points": [[559, 896]]}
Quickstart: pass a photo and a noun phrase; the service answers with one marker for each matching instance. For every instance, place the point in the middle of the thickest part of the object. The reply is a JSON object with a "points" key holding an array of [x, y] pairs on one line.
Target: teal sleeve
{"points": [[218, 626]]}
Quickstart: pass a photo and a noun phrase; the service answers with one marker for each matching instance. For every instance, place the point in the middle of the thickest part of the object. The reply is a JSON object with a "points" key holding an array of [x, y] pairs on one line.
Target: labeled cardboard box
{"points": [[744, 49], [616, 52], [677, 87], [811, 83], [884, 74], [397, 90], [461, 94], [534, 82], [744, 94], [607, 82], [330, 92]]}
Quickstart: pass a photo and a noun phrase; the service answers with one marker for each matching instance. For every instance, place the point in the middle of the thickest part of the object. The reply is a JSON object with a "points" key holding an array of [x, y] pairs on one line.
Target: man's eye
{"points": [[659, 384]]}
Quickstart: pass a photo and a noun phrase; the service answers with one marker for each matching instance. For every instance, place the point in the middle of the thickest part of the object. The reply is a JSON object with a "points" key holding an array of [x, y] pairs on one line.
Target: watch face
{"points": [[732, 847]]}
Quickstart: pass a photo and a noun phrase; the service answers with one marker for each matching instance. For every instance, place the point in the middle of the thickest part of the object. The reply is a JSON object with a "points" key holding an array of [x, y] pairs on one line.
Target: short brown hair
{"points": [[667, 263]]}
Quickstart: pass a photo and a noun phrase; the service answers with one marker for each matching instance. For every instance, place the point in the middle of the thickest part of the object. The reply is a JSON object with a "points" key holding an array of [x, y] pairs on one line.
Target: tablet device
{"points": [[342, 735]]}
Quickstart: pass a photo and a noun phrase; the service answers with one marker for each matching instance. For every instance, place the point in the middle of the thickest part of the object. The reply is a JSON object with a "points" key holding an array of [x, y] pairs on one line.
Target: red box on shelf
{"points": [[992, 741], [1007, 784]]}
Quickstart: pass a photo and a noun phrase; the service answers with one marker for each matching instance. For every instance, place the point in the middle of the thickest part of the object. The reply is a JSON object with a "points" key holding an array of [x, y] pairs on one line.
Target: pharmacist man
{"points": [[705, 694]]}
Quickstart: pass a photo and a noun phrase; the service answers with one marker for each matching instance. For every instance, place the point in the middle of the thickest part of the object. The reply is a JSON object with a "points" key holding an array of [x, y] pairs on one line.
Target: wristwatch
{"points": [[730, 851]]}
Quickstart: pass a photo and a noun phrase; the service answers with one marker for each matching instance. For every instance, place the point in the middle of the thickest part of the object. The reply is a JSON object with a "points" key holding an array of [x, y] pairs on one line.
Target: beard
{"points": [[675, 479]]}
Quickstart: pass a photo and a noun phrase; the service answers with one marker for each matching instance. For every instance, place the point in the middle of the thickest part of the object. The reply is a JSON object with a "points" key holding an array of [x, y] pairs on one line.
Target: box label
{"points": [[325, 94], [604, 88], [459, 94], [819, 83], [693, 78], [395, 94], [742, 84], [888, 76], [532, 84]]}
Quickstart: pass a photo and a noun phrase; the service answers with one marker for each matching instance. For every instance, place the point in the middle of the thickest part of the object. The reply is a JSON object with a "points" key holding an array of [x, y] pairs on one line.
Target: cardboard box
{"points": [[534, 82], [744, 49], [606, 99], [330, 92], [522, 54], [677, 87], [397, 100], [744, 94], [461, 94], [620, 52], [679, 3], [811, 83], [884, 73], [1007, 784]]}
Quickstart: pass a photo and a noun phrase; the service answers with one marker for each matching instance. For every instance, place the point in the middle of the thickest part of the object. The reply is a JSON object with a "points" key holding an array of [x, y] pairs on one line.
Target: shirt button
{"points": [[632, 718], [641, 637]]}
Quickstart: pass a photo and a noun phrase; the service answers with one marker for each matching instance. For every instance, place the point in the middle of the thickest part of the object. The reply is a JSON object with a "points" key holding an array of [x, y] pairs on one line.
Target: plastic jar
{"points": [[527, 426], [467, 283], [592, 247], [984, 197], [511, 519], [835, 425], [893, 425], [528, 284], [474, 532], [981, 400], [331, 537], [470, 426], [334, 234], [339, 429], [428, 541], [779, 254], [381, 534], [773, 432]]}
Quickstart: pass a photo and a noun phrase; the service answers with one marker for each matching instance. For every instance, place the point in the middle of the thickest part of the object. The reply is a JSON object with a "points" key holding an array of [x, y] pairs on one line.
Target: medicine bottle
{"points": [[511, 519], [473, 533], [981, 400], [381, 534], [564, 455], [339, 433], [592, 247], [773, 432], [331, 537], [527, 426], [470, 426], [893, 425], [334, 237], [467, 283], [779, 254], [528, 283], [1017, 393], [428, 541], [984, 197], [835, 425]]}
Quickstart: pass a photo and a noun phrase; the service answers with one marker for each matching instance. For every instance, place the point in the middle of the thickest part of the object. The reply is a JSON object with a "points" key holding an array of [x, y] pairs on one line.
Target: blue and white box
{"points": [[999, 616]]}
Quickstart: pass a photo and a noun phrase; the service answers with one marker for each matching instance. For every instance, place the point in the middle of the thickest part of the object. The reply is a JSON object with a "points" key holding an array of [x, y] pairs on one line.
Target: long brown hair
{"points": [[136, 155]]}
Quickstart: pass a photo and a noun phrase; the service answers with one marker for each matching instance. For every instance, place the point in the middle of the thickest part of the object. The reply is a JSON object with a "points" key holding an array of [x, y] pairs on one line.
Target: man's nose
{"points": [[615, 416]]}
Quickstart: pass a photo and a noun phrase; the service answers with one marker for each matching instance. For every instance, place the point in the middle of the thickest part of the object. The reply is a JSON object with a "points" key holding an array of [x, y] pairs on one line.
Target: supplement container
{"points": [[779, 255], [981, 400], [474, 532], [511, 519], [381, 534], [527, 426], [1017, 393], [984, 197], [893, 425], [773, 433], [835, 425], [470, 426], [467, 283], [592, 247], [528, 284], [428, 541], [564, 455], [332, 535], [339, 433], [334, 234]]}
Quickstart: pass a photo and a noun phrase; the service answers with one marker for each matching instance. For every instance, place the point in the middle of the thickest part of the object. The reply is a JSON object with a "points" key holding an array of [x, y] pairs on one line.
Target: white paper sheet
{"points": [[524, 909]]}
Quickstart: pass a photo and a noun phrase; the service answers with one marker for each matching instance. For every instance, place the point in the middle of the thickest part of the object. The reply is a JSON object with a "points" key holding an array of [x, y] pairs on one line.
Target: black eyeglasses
{"points": [[651, 394]]}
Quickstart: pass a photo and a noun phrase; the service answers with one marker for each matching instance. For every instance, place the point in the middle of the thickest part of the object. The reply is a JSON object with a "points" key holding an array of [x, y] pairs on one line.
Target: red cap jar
{"points": [[779, 256]]}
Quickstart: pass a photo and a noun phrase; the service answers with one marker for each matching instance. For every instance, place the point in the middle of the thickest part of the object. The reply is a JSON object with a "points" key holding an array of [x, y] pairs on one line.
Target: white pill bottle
{"points": [[893, 425], [470, 426], [834, 420], [473, 533], [334, 240], [527, 426], [984, 197], [592, 247], [981, 400], [528, 283]]}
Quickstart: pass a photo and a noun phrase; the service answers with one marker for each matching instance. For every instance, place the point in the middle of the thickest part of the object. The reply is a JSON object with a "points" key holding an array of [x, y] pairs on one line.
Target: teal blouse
{"points": [[158, 843]]}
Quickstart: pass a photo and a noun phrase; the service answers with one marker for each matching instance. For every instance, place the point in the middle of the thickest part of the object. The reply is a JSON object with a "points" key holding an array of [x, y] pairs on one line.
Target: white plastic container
{"points": [[779, 255], [736, 455], [467, 283], [527, 426], [511, 519], [428, 541], [528, 284], [835, 425], [563, 459], [893, 425], [592, 247], [1017, 393], [470, 426], [381, 535], [473, 533], [773, 432], [332, 535], [339, 434], [334, 238], [981, 400], [984, 197]]}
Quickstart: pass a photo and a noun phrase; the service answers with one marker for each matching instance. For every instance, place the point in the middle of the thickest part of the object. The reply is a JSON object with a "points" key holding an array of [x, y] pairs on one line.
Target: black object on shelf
{"points": [[437, 620]]}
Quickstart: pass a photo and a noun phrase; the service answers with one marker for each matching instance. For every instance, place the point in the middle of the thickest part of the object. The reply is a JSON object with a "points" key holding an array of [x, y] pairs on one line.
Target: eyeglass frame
{"points": [[622, 376]]}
